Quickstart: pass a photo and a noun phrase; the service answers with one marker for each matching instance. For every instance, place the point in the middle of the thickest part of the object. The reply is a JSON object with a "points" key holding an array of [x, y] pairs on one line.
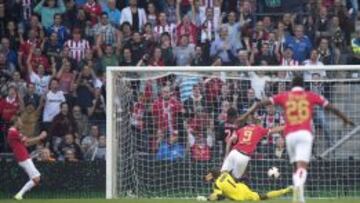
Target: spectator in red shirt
{"points": [[26, 46], [10, 105], [138, 110], [65, 76], [157, 59], [200, 148], [213, 87], [201, 135], [166, 111], [38, 59], [185, 27], [93, 9]]}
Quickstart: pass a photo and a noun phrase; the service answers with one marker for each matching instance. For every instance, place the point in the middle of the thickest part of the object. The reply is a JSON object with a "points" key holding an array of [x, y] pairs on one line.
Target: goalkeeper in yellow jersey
{"points": [[225, 186]]}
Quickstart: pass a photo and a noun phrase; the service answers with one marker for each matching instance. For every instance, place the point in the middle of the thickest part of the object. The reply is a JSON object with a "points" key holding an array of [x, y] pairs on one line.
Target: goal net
{"points": [[166, 127]]}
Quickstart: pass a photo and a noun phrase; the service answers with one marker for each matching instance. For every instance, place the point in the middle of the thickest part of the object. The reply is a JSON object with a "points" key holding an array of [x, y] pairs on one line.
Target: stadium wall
{"points": [[59, 180]]}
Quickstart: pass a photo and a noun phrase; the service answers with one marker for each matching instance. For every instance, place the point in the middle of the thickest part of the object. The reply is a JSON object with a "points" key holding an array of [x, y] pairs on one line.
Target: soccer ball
{"points": [[201, 198], [273, 172]]}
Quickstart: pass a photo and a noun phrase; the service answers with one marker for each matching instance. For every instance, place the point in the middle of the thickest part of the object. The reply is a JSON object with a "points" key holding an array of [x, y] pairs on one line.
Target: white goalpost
{"points": [[165, 128]]}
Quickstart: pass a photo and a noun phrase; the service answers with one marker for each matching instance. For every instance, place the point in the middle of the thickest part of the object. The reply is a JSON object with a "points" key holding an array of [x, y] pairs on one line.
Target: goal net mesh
{"points": [[170, 128]]}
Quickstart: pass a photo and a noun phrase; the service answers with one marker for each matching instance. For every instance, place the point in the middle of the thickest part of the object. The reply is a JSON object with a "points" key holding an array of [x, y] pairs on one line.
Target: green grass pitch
{"points": [[164, 201]]}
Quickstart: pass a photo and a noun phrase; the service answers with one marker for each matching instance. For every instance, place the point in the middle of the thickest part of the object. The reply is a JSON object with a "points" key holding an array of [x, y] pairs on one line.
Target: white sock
{"points": [[301, 174], [295, 184], [301, 194], [30, 184], [295, 179]]}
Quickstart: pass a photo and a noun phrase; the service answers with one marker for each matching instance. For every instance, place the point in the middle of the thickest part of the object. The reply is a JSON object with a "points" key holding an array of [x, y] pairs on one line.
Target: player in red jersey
{"points": [[230, 125], [226, 129], [18, 143], [298, 108], [243, 143]]}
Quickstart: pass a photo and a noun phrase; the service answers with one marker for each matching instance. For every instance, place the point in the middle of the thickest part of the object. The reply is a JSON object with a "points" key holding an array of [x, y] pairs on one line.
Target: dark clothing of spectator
{"points": [[62, 125], [63, 147], [69, 17], [271, 60], [32, 99], [137, 50], [52, 49], [84, 92], [191, 106], [200, 61], [98, 113]]}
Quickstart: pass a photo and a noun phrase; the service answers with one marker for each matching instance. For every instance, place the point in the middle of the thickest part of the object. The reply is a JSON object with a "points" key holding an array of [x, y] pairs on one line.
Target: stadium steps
{"points": [[349, 103]]}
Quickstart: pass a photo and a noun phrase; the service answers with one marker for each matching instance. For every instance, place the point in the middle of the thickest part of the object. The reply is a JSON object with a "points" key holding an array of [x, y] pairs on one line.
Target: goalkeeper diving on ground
{"points": [[225, 186]]}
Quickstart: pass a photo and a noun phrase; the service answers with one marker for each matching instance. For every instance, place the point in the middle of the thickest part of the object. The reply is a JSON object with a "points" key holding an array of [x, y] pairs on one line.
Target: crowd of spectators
{"points": [[54, 53]]}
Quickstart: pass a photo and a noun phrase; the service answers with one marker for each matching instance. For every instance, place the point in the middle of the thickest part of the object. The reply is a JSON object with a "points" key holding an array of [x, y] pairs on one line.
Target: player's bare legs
{"points": [[28, 186], [299, 179]]}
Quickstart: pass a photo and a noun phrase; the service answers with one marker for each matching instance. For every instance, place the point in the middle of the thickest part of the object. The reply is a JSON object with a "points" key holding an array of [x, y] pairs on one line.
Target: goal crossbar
{"points": [[231, 68]]}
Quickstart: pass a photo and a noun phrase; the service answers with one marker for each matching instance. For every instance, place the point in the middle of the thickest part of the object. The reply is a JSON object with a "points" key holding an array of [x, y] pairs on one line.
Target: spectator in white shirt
{"points": [[185, 52], [52, 100], [234, 28], [258, 83], [313, 61], [39, 79], [132, 12], [222, 47]]}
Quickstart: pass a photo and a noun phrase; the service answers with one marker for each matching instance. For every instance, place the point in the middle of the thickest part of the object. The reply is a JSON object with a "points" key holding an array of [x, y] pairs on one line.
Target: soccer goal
{"points": [[166, 127]]}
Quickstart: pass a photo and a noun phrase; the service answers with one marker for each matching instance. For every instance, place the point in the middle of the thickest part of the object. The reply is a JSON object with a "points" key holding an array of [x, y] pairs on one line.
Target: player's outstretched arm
{"points": [[340, 114], [35, 140], [254, 107], [216, 195], [277, 129], [276, 193]]}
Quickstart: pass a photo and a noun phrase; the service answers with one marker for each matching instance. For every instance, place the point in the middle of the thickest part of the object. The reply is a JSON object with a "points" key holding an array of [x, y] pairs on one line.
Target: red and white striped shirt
{"points": [[289, 62], [170, 28], [207, 3], [77, 48]]}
